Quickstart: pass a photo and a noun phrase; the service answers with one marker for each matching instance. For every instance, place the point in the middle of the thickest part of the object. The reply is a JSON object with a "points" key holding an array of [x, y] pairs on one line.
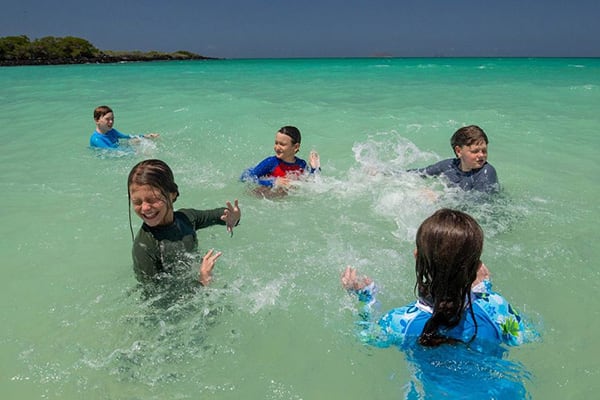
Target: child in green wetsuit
{"points": [[167, 236]]}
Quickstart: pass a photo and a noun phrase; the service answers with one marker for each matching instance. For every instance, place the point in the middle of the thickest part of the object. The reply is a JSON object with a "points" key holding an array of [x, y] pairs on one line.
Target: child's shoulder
{"points": [[270, 159], [301, 162]]}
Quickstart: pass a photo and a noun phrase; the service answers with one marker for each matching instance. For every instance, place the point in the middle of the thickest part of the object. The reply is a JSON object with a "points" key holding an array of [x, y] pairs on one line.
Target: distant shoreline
{"points": [[108, 59], [49, 50]]}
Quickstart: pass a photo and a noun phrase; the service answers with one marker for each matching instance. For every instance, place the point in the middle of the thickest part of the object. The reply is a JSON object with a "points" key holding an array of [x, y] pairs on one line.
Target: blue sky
{"points": [[319, 28]]}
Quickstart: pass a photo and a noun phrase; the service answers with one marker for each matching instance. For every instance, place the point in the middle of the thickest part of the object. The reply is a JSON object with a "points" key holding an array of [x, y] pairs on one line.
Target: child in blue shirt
{"points": [[105, 136], [454, 334], [277, 171], [455, 302]]}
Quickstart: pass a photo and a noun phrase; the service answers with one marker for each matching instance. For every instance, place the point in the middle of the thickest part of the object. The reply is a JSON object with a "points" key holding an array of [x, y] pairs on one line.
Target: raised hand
{"points": [[314, 160], [231, 216], [351, 281], [208, 263]]}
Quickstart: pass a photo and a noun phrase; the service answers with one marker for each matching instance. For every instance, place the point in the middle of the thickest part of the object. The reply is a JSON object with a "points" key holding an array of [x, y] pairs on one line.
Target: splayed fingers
{"points": [[352, 281], [206, 268], [231, 215]]}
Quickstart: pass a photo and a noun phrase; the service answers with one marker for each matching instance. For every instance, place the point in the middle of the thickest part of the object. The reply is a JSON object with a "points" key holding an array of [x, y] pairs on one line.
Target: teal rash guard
{"points": [[109, 140]]}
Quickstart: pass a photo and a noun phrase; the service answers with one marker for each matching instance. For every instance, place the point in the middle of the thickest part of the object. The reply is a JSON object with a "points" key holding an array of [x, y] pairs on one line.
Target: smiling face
{"points": [[150, 205], [284, 149], [472, 157], [105, 122]]}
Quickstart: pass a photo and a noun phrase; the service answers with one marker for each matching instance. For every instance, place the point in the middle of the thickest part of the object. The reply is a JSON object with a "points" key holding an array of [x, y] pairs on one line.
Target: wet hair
{"points": [[101, 111], [292, 132], [154, 173], [467, 136], [449, 246]]}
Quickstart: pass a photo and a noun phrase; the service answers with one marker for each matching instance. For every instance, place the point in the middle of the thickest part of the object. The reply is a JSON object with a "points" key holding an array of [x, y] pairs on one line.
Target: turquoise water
{"points": [[276, 324]]}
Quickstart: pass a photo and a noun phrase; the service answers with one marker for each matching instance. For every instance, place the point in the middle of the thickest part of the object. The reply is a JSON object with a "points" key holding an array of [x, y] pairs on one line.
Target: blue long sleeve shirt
{"points": [[109, 140]]}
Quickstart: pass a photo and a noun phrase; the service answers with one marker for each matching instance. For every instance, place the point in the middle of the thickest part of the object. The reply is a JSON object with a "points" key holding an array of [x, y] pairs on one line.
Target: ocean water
{"points": [[276, 324]]}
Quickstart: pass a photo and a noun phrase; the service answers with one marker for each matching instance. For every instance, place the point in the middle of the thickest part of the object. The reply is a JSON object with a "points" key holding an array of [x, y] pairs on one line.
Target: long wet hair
{"points": [[154, 173], [449, 246]]}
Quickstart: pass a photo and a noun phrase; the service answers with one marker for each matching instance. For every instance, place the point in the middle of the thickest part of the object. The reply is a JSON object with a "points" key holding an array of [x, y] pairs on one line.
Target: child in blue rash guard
{"points": [[470, 169], [105, 136], [278, 170], [455, 302]]}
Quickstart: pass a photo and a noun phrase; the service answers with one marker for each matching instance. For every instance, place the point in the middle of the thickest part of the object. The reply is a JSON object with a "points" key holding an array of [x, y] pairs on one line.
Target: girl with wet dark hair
{"points": [[455, 303], [167, 237]]}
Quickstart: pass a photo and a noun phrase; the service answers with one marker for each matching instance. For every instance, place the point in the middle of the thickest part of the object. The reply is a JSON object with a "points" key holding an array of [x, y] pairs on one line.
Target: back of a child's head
{"points": [[292, 132], [467, 136], [101, 111], [449, 245]]}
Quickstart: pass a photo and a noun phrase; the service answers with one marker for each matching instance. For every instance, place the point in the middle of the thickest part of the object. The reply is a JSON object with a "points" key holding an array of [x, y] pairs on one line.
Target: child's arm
{"points": [[141, 136], [432, 170], [513, 328], [121, 135], [483, 273], [261, 173], [382, 333]]}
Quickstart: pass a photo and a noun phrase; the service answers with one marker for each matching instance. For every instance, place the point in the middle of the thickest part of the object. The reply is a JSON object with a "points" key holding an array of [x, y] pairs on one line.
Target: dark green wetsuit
{"points": [[159, 249]]}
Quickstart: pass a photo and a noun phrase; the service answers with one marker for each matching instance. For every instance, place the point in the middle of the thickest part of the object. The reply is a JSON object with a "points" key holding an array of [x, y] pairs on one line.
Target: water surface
{"points": [[276, 324]]}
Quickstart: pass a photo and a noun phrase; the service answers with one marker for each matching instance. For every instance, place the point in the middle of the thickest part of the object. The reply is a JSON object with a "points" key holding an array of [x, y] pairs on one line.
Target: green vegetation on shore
{"points": [[49, 50]]}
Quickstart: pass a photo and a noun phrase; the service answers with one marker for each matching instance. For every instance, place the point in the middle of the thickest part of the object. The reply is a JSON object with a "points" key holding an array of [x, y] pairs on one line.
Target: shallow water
{"points": [[276, 324]]}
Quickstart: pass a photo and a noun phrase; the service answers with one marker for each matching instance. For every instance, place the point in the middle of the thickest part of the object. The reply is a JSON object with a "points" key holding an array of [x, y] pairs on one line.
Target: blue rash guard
{"points": [[483, 179], [109, 140], [497, 321], [476, 370], [271, 168]]}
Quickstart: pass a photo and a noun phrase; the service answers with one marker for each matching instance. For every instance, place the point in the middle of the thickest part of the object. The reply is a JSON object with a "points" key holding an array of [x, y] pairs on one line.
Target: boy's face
{"points": [[105, 122], [284, 149], [472, 157]]}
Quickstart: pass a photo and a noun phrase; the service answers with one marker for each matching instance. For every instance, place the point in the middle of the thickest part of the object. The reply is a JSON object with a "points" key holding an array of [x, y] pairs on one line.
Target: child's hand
{"points": [[231, 215], [483, 273], [282, 182], [208, 263], [350, 281], [430, 195], [314, 160], [151, 135]]}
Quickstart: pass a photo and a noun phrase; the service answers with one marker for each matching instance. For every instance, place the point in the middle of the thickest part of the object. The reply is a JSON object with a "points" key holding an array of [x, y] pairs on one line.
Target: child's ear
{"points": [[457, 151], [297, 147], [415, 253]]}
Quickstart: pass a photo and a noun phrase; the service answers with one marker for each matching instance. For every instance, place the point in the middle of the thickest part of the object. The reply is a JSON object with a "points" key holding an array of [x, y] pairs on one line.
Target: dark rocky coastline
{"points": [[49, 50], [107, 58]]}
